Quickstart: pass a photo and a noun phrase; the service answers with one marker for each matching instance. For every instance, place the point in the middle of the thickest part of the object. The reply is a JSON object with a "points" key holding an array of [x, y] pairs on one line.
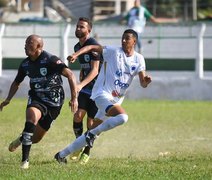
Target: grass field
{"points": [[161, 140]]}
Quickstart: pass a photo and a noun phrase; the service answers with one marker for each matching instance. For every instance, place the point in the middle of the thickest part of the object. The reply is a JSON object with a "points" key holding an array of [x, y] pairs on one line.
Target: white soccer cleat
{"points": [[25, 164]]}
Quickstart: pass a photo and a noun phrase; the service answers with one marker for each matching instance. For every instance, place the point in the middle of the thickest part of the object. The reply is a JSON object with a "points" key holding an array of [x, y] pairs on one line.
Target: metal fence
{"points": [[159, 42]]}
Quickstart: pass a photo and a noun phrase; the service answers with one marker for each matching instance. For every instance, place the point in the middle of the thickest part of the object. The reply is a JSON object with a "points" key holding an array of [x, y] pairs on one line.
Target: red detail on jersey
{"points": [[115, 93], [58, 62]]}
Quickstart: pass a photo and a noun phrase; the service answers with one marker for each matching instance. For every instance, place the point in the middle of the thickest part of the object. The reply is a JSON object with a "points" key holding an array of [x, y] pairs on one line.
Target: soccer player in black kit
{"points": [[46, 94], [89, 69]]}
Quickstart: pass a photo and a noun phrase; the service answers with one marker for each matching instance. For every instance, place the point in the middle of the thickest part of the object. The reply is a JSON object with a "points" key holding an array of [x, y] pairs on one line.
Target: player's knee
{"points": [[123, 118]]}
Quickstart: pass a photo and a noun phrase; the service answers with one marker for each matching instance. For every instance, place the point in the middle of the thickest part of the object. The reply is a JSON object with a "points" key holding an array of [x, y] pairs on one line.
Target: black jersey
{"points": [[85, 63], [45, 78]]}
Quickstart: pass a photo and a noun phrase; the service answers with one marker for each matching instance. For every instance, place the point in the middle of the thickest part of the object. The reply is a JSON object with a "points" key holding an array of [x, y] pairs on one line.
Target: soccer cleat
{"points": [[14, 144], [76, 154], [59, 159], [84, 158], [25, 164], [89, 137]]}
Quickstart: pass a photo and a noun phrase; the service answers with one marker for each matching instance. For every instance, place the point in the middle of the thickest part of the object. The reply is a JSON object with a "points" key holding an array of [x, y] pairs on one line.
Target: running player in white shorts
{"points": [[120, 66]]}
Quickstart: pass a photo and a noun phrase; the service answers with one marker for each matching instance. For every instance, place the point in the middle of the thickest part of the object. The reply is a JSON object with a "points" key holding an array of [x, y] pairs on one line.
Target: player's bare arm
{"points": [[145, 80], [13, 89], [73, 103], [93, 73], [96, 48]]}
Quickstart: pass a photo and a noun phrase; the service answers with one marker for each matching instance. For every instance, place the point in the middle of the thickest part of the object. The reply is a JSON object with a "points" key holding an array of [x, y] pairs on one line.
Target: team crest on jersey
{"points": [[86, 58], [43, 71], [119, 73], [133, 68]]}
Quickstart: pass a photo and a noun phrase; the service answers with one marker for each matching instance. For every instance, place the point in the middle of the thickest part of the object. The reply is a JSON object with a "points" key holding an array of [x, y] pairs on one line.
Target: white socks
{"points": [[110, 123], [80, 142]]}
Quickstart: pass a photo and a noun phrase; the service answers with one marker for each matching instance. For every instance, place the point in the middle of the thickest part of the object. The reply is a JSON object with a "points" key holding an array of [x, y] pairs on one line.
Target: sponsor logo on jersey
{"points": [[85, 66], [25, 64], [119, 73], [86, 58], [122, 85], [37, 85], [43, 71], [43, 61]]}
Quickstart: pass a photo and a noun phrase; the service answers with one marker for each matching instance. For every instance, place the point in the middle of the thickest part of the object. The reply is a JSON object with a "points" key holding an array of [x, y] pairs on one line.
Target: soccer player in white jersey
{"points": [[121, 65]]}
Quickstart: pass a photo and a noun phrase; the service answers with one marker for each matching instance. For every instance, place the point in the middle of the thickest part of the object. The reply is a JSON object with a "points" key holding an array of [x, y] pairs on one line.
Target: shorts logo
{"points": [[43, 71]]}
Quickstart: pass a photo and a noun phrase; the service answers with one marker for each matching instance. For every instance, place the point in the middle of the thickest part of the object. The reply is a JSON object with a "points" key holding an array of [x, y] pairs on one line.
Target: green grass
{"points": [[161, 140]]}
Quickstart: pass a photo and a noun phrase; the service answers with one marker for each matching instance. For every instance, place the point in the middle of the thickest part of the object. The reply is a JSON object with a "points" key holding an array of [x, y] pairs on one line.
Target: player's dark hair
{"points": [[85, 19], [131, 31]]}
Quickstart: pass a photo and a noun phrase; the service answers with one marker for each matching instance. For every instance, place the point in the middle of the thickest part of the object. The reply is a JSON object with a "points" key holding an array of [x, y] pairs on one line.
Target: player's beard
{"points": [[79, 34]]}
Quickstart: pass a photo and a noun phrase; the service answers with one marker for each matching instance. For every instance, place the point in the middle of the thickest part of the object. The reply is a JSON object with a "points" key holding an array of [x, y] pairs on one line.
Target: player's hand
{"points": [[4, 103], [73, 103], [147, 79], [72, 58]]}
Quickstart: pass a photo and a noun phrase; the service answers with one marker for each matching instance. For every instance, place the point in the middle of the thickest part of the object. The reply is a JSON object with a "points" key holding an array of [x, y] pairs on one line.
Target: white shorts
{"points": [[103, 103]]}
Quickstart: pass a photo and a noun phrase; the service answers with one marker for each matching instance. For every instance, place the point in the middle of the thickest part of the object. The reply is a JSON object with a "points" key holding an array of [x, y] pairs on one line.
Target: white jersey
{"points": [[117, 72]]}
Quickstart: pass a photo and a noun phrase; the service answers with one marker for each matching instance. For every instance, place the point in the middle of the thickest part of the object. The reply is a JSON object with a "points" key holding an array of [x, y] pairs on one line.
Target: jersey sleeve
{"points": [[147, 14], [57, 64], [95, 56], [142, 64], [20, 75], [108, 53]]}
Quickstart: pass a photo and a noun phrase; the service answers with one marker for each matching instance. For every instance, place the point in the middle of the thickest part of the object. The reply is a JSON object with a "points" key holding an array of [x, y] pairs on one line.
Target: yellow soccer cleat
{"points": [[84, 159], [74, 156]]}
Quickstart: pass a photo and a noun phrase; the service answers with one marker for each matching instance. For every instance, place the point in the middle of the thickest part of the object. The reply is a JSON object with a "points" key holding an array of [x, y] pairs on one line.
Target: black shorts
{"points": [[49, 114], [84, 102]]}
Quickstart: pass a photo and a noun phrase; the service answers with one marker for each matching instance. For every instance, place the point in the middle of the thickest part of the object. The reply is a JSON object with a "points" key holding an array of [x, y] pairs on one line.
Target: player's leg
{"points": [[35, 106], [139, 43], [91, 112], [38, 134], [78, 130], [45, 123], [83, 102], [78, 122], [117, 116], [78, 144], [33, 114], [79, 115]]}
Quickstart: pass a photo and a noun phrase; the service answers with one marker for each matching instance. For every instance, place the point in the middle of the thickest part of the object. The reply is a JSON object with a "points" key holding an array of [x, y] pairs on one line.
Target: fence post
{"points": [[2, 27], [65, 43], [199, 65]]}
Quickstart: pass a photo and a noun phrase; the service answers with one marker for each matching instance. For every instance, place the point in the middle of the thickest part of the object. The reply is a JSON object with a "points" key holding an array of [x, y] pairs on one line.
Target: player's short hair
{"points": [[131, 31], [85, 19]]}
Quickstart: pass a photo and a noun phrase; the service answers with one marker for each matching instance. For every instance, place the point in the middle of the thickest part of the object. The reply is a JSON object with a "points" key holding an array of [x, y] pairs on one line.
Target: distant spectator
{"points": [[136, 20]]}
